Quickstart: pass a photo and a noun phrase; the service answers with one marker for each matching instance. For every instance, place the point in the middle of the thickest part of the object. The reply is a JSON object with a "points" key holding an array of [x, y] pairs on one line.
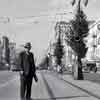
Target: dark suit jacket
{"points": [[26, 63]]}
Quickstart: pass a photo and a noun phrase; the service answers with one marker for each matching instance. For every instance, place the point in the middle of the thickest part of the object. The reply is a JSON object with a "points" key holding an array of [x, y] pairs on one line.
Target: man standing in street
{"points": [[27, 65]]}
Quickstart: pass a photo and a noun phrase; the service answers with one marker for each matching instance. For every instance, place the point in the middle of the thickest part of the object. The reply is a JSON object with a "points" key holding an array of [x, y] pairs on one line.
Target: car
{"points": [[90, 67]]}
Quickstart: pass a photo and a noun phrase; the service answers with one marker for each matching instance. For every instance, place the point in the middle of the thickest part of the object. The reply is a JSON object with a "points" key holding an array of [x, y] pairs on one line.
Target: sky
{"points": [[42, 32]]}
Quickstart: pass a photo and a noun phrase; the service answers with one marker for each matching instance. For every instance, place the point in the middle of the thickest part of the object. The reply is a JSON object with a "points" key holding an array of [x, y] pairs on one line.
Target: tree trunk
{"points": [[77, 70]]}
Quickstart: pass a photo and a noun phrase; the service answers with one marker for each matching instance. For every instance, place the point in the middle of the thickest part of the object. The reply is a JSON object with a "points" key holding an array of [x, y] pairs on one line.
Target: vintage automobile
{"points": [[90, 66]]}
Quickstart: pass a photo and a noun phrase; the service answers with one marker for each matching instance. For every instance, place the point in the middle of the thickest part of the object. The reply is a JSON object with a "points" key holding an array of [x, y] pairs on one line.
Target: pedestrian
{"points": [[28, 71]]}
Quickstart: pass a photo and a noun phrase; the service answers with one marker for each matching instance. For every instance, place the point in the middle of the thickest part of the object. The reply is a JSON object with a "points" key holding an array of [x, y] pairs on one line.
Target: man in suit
{"points": [[27, 65]]}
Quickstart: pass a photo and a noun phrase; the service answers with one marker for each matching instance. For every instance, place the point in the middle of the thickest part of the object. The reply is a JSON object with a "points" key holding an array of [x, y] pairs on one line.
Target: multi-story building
{"points": [[52, 58], [68, 52], [5, 50], [12, 47], [93, 42]]}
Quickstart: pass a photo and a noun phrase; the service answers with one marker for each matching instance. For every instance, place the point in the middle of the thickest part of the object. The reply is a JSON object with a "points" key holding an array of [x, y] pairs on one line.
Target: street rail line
{"points": [[51, 93], [84, 90], [76, 86], [48, 88]]}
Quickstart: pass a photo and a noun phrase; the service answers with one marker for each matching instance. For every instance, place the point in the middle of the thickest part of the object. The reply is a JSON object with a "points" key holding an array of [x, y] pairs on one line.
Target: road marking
{"points": [[9, 82], [49, 90]]}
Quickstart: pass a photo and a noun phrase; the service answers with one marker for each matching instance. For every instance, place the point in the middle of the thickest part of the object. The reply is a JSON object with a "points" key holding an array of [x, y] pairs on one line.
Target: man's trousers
{"points": [[25, 87]]}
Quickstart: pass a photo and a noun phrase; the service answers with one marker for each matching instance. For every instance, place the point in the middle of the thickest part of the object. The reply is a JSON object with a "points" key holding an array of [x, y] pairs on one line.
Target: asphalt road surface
{"points": [[49, 87], [93, 77]]}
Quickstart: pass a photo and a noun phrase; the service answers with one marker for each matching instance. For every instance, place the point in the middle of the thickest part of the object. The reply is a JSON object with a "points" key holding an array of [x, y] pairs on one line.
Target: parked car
{"points": [[90, 66]]}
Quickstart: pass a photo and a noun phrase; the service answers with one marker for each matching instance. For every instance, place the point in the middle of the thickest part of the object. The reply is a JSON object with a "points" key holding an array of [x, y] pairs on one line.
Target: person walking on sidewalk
{"points": [[28, 71]]}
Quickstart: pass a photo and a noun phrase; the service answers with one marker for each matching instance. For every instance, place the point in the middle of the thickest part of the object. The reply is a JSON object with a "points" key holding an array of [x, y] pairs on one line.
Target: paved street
{"points": [[94, 77], [50, 86]]}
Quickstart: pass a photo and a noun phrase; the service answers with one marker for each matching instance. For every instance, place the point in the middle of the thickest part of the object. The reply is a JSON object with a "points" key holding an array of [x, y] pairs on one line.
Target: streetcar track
{"points": [[48, 88], [84, 90], [52, 95], [76, 86], [60, 98]]}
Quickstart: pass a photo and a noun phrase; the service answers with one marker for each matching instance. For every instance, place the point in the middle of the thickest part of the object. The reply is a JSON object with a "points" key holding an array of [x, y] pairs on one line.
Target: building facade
{"points": [[93, 42], [5, 50]]}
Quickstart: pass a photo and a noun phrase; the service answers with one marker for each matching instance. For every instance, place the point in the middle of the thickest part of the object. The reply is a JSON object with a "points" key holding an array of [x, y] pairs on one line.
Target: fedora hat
{"points": [[27, 45]]}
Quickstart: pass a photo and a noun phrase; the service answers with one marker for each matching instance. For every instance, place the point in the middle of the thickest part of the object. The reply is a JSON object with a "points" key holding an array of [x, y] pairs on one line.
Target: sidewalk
{"points": [[89, 87]]}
